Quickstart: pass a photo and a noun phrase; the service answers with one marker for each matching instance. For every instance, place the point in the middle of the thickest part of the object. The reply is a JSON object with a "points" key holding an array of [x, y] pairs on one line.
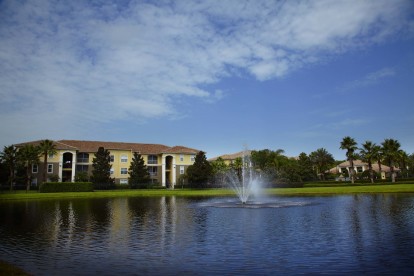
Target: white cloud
{"points": [[134, 61]]}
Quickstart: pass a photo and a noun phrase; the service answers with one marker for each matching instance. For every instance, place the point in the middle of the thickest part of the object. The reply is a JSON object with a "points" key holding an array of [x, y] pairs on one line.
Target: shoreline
{"points": [[305, 191]]}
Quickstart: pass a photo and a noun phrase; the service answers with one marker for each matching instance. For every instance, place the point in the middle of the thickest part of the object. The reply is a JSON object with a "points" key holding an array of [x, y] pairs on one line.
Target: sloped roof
{"points": [[359, 163], [93, 146], [58, 145], [181, 149], [232, 156]]}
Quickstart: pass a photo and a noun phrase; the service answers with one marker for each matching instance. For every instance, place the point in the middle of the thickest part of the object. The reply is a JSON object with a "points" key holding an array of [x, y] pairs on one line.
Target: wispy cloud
{"points": [[83, 63], [369, 79]]}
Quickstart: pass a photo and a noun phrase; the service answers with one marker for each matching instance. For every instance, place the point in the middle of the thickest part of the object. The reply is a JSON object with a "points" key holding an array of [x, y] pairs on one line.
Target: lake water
{"points": [[353, 234]]}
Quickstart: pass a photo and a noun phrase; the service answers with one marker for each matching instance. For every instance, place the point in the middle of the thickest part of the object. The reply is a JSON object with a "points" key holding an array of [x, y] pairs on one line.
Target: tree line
{"points": [[277, 169], [272, 165]]}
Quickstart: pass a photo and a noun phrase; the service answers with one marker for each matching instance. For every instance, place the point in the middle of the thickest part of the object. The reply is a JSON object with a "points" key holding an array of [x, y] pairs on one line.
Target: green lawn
{"points": [[389, 188]]}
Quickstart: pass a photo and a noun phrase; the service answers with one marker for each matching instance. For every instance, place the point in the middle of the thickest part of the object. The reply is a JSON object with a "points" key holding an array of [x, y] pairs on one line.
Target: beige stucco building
{"points": [[165, 164]]}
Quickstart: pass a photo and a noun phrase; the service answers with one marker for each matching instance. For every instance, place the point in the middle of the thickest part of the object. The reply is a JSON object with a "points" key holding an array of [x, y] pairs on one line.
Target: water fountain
{"points": [[243, 180], [247, 184]]}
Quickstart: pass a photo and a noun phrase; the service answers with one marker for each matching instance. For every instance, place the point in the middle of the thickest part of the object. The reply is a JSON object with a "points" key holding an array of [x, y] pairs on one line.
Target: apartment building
{"points": [[165, 164]]}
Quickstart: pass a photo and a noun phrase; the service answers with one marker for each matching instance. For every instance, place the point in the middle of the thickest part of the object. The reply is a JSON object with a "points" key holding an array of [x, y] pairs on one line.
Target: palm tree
{"points": [[322, 159], [29, 155], [377, 156], [402, 162], [9, 157], [46, 147], [391, 148], [350, 146], [367, 153]]}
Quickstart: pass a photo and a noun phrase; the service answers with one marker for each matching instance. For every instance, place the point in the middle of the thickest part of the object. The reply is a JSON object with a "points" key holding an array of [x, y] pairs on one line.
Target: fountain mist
{"points": [[243, 180]]}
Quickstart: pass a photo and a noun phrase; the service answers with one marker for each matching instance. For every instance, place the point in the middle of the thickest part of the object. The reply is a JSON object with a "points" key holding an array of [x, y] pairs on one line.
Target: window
{"points": [[82, 168], [192, 158], [152, 159], [359, 169], [111, 171], [124, 158], [181, 157], [49, 168], [35, 168], [123, 181], [111, 158], [51, 155], [124, 171], [83, 157], [181, 169], [153, 171]]}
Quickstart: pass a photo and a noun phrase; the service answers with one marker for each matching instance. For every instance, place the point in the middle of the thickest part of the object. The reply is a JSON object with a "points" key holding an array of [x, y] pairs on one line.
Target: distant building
{"points": [[230, 158], [359, 167], [165, 164]]}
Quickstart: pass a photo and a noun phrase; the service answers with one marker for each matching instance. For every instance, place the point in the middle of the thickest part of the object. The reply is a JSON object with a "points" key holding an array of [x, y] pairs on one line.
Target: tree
{"points": [[305, 167], [377, 155], [350, 146], [219, 169], [29, 156], [367, 153], [322, 160], [46, 147], [9, 158], [101, 172], [139, 176], [391, 148], [402, 162], [200, 172]]}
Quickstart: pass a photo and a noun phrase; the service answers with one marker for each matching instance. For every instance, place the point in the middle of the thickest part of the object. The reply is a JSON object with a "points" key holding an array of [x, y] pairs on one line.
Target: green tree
{"points": [[46, 147], [391, 148], [367, 153], [403, 162], [9, 158], [322, 160], [29, 155], [219, 169], [350, 146], [305, 167], [377, 156], [139, 176], [200, 172], [101, 172]]}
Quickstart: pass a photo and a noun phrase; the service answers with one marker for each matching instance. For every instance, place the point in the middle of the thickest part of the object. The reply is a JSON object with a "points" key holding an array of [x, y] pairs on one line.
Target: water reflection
{"points": [[362, 234]]}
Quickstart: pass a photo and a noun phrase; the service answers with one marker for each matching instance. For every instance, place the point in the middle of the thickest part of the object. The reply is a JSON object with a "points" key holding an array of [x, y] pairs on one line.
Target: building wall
{"points": [[121, 162]]}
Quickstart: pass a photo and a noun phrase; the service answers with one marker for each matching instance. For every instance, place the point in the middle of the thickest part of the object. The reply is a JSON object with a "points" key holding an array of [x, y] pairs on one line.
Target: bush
{"points": [[58, 187]]}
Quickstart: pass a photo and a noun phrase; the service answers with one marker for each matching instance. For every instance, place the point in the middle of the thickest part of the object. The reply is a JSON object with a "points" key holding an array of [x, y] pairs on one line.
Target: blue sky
{"points": [[213, 75]]}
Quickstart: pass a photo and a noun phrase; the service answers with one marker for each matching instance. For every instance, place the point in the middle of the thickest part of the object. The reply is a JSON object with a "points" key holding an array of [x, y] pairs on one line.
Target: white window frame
{"points": [[35, 168], [124, 158], [123, 181], [111, 171], [182, 170], [124, 171], [181, 157], [50, 168], [111, 158], [51, 155], [193, 158]]}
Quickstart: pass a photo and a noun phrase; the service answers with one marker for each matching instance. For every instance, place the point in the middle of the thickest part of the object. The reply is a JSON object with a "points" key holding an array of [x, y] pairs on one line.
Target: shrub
{"points": [[58, 187]]}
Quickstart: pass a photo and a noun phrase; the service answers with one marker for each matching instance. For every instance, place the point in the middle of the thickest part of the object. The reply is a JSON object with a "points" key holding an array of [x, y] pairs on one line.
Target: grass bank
{"points": [[306, 191], [11, 270]]}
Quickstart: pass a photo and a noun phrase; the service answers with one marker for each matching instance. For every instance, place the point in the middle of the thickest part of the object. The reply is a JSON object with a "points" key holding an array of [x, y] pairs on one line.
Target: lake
{"points": [[352, 234]]}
